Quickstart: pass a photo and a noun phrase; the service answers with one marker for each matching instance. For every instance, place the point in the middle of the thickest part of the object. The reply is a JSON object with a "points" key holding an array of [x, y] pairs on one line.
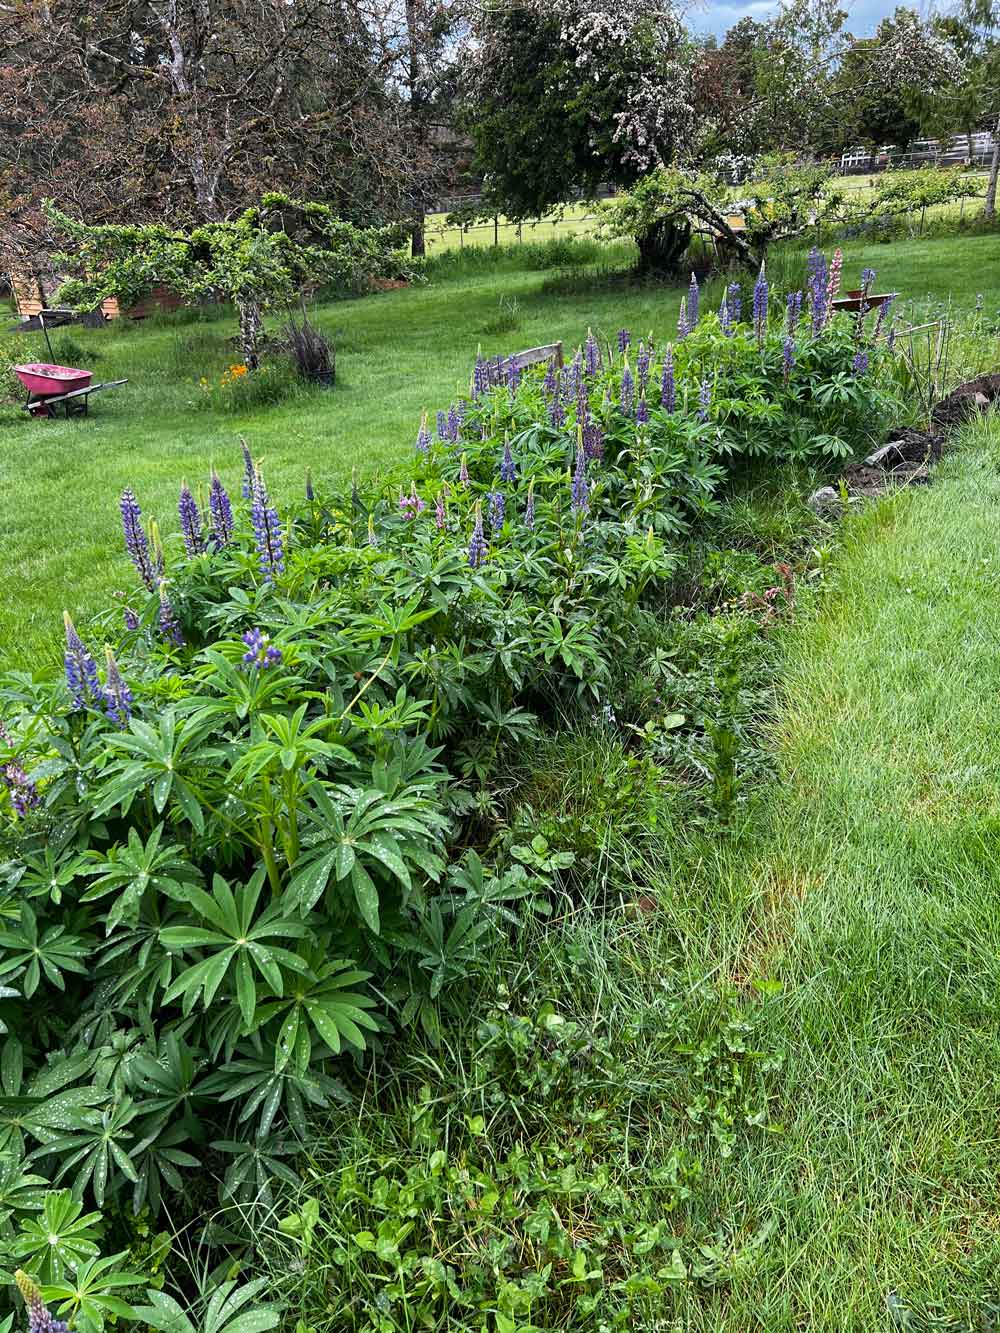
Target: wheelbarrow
{"points": [[51, 387], [851, 302]]}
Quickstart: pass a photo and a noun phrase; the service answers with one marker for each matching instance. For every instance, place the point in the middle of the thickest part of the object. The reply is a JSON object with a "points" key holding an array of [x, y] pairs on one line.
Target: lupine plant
{"points": [[234, 827]]}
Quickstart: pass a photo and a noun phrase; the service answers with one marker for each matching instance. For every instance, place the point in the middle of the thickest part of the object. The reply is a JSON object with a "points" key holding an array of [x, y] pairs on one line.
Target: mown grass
{"points": [[873, 897], [397, 353]]}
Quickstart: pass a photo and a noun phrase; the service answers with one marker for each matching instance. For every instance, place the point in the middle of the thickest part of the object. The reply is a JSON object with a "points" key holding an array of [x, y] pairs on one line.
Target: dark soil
{"points": [[966, 401], [907, 456]]}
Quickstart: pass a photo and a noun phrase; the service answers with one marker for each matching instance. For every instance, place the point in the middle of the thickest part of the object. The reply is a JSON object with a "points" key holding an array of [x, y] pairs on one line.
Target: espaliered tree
{"points": [[564, 96], [262, 258]]}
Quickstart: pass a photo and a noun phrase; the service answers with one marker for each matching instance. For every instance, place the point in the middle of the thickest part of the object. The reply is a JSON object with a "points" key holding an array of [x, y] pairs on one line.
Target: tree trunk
{"points": [[251, 332], [662, 247], [418, 242], [991, 189]]}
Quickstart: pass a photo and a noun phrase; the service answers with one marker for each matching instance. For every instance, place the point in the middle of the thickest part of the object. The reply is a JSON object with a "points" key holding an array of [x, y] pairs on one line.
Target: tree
{"points": [[188, 110], [566, 95], [263, 257], [784, 200], [817, 87], [429, 92], [973, 99]]}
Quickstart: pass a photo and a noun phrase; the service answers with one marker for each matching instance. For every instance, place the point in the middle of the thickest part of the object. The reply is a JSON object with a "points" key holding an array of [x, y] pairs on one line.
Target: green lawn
{"points": [[397, 353], [875, 900]]}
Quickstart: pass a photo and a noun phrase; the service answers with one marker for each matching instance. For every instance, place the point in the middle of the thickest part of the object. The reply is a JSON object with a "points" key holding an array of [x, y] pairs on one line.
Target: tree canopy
{"points": [[260, 258]]}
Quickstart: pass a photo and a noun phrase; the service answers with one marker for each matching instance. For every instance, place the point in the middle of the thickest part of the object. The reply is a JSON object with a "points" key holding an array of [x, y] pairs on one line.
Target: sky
{"points": [[718, 15]]}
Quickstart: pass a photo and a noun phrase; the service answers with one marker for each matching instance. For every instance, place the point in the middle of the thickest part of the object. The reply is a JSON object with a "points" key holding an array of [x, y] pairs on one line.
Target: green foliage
{"points": [[266, 255], [211, 912], [520, 1195]]}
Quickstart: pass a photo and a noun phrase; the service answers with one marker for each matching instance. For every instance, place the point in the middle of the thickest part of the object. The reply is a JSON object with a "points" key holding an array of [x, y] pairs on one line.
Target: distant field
{"points": [[582, 219], [574, 220]]}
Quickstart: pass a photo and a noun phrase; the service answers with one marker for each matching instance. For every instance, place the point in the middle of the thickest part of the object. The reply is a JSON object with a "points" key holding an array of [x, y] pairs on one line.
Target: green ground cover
{"points": [[398, 353]]}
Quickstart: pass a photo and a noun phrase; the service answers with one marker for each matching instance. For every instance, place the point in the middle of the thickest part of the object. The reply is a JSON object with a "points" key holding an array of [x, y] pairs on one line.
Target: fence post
{"points": [[496, 229], [519, 233]]}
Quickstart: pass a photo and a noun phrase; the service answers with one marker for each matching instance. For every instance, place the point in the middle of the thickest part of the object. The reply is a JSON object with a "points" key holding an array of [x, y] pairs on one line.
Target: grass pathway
{"points": [[882, 873]]}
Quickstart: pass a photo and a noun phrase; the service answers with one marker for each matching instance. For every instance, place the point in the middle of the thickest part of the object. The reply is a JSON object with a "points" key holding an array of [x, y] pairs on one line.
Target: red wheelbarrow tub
{"points": [[40, 378]]}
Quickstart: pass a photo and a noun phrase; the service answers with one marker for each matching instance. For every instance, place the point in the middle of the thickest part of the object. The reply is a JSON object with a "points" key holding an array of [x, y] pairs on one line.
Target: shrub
{"points": [[239, 852]]}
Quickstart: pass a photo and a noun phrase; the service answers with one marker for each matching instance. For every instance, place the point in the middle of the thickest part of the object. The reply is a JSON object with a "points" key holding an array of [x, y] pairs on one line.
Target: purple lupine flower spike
{"points": [[169, 624], [440, 513], [131, 619], [693, 300], [222, 512], [477, 544], [411, 505], [641, 412], [261, 652], [136, 541], [880, 318], [498, 505], [480, 377], [628, 390], [551, 377], [890, 338], [683, 328], [310, 492], [423, 436], [454, 421], [624, 340], [788, 356], [190, 517], [734, 302], [724, 322], [117, 695], [557, 413], [668, 388], [508, 469], [39, 1319], [592, 355], [580, 492], [248, 470], [593, 440], [267, 530], [760, 298], [704, 399], [860, 363], [23, 793], [513, 376], [529, 507], [442, 424], [81, 669], [642, 361], [463, 472]]}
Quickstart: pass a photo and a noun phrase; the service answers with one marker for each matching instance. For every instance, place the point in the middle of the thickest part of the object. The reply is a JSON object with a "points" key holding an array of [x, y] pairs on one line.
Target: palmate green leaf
{"points": [[222, 1315], [237, 940], [136, 870], [362, 832], [58, 1242], [90, 1293], [50, 952], [325, 1002], [94, 1149]]}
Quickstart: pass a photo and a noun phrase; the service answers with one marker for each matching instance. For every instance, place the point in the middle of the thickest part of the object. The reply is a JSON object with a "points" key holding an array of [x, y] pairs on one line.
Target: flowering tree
{"points": [[563, 96], [261, 258]]}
